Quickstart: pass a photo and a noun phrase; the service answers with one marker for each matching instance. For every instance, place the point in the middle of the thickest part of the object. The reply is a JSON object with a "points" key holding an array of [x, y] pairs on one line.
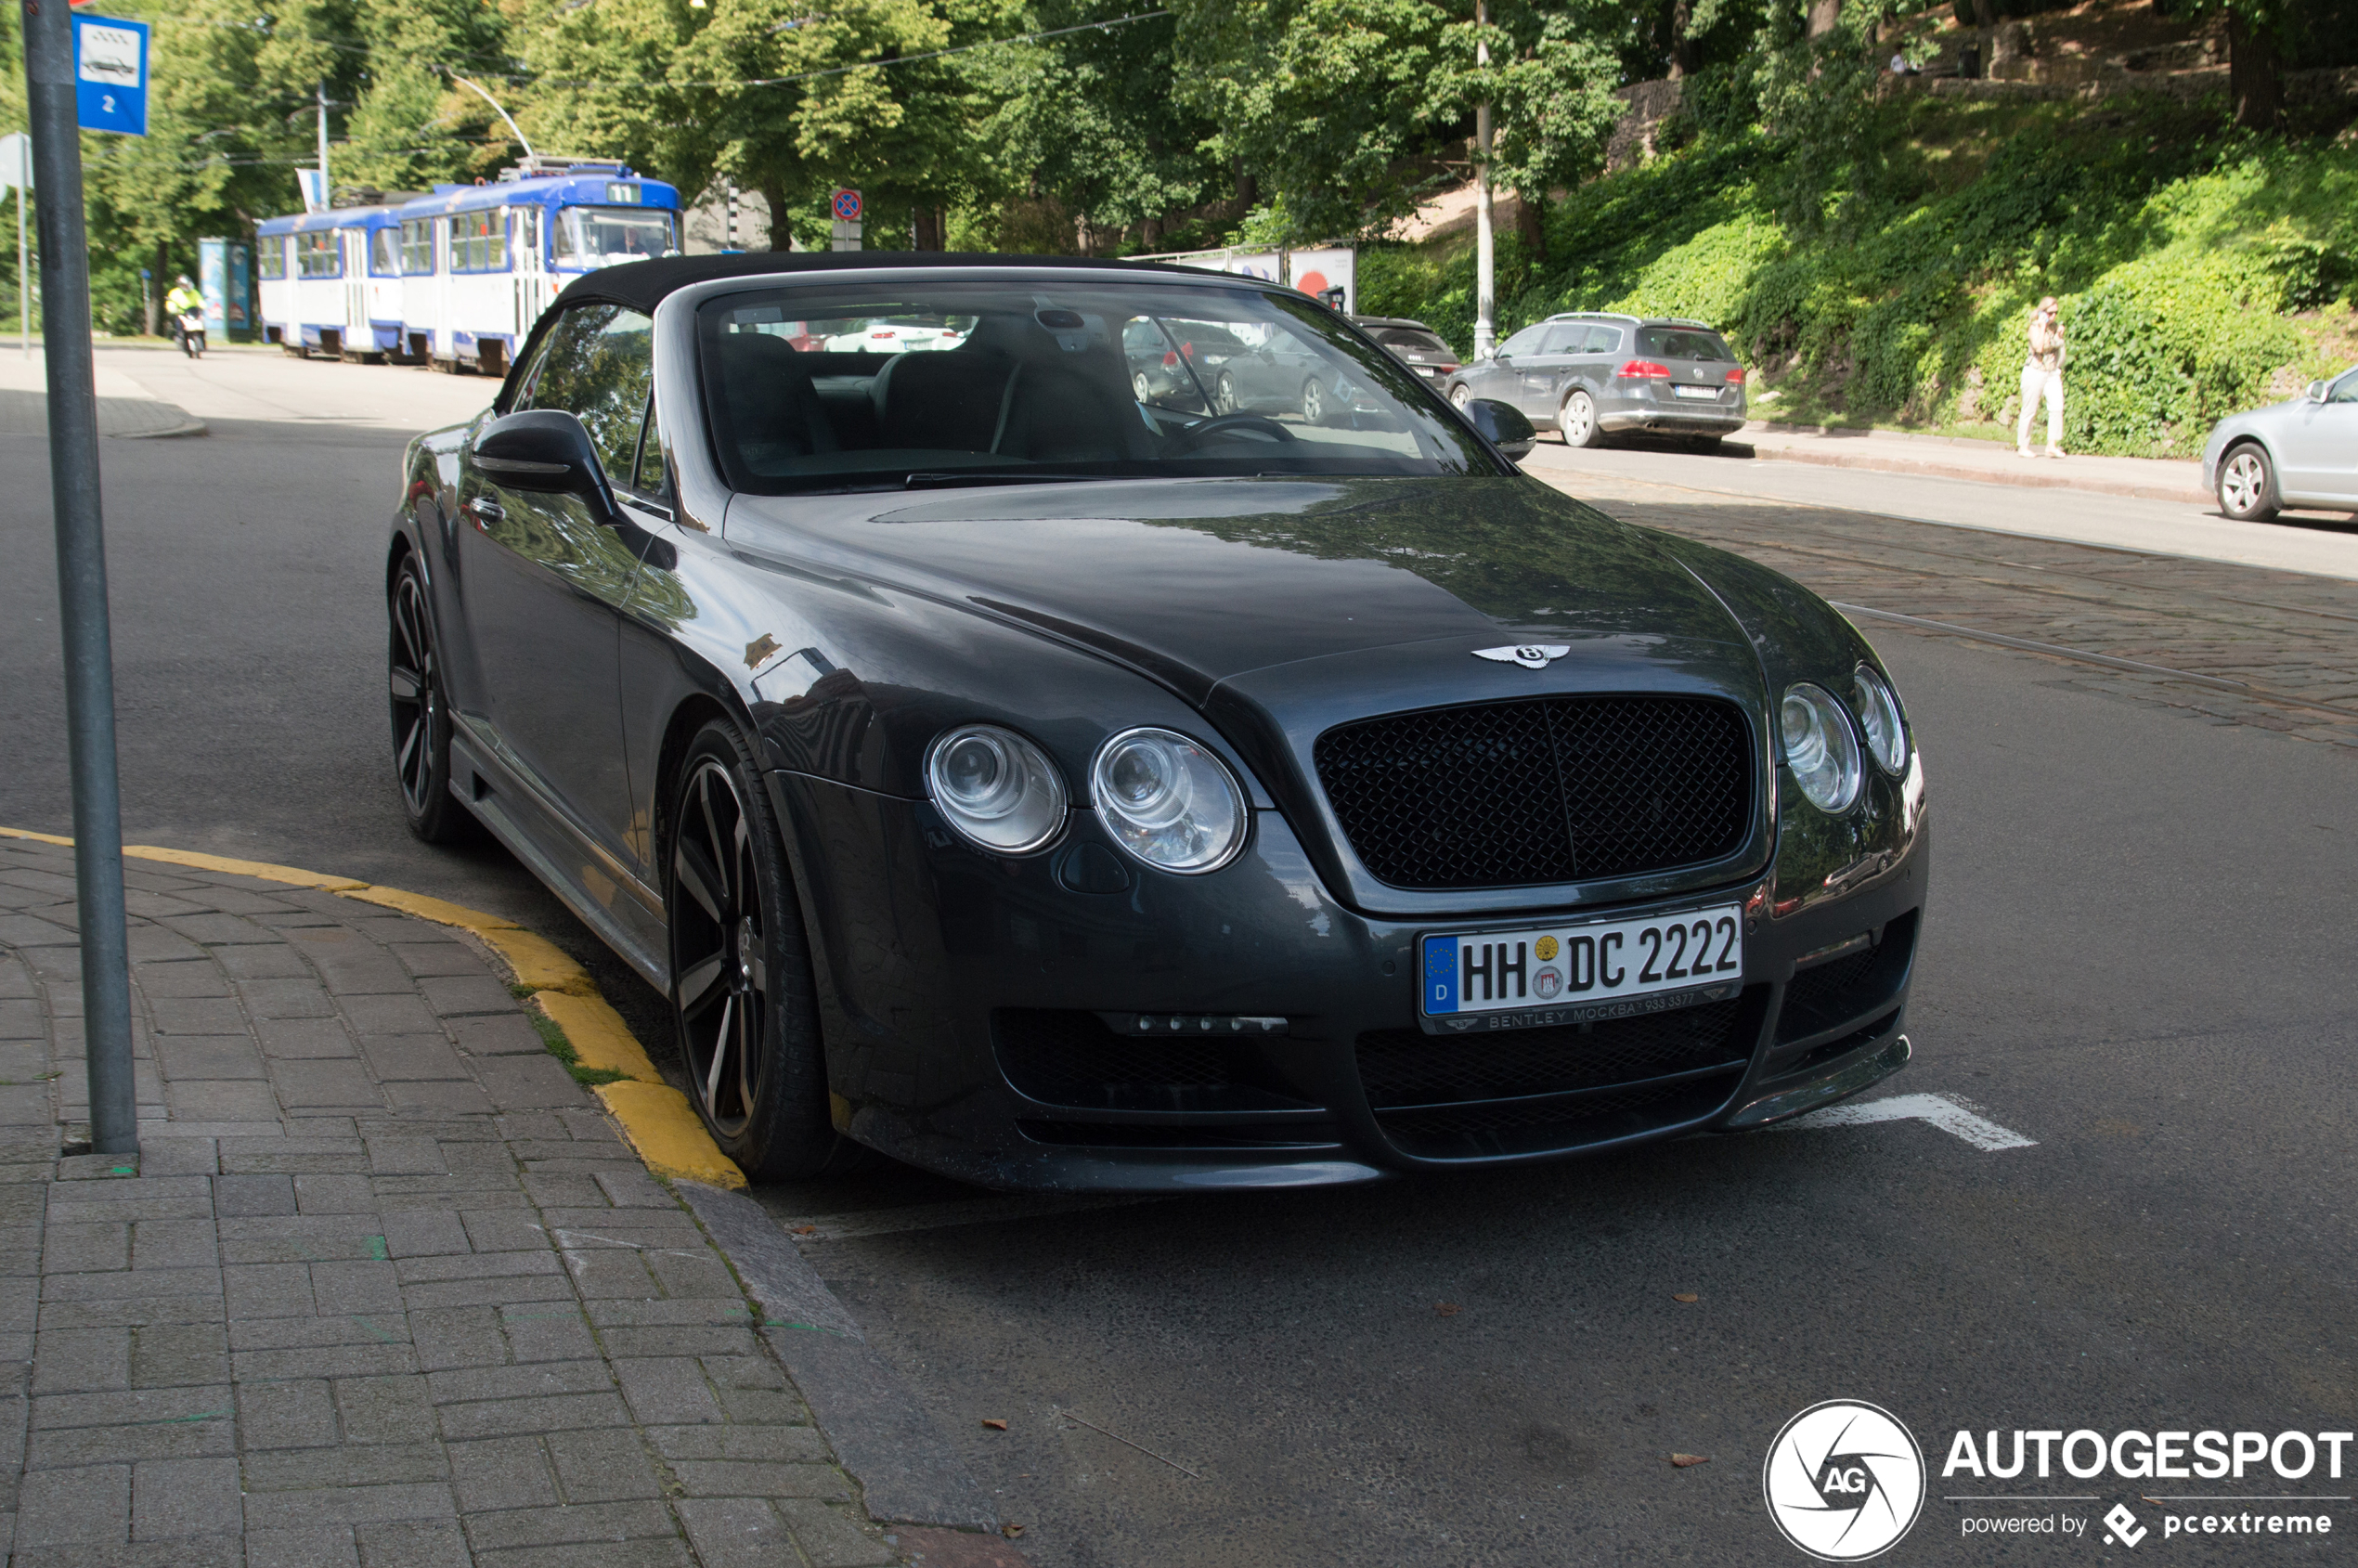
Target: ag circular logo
{"points": [[1843, 1480]]}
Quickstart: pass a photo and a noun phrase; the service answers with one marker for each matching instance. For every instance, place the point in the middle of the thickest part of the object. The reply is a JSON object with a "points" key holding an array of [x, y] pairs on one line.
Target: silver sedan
{"points": [[2302, 454]]}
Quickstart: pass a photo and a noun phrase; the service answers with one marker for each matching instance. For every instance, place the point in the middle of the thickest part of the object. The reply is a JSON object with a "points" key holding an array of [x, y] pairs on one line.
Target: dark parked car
{"points": [[1413, 343], [1592, 376], [1058, 790], [1178, 364]]}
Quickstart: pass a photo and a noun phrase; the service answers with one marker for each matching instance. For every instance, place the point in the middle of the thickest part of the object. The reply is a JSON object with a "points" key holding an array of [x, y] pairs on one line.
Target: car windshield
{"points": [[1680, 343], [836, 386], [1410, 338], [588, 236]]}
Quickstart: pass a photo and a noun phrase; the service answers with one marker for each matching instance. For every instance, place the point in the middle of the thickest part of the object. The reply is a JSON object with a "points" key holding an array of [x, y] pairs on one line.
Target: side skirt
{"points": [[523, 819]]}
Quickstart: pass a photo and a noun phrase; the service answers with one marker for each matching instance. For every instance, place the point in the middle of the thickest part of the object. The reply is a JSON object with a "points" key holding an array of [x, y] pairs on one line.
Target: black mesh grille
{"points": [[1405, 1067], [1305, 1132], [1825, 984], [1471, 1132], [1069, 1057], [1834, 993], [1554, 790]]}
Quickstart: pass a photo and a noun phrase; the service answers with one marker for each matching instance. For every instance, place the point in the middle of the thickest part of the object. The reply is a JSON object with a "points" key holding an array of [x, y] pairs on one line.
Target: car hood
{"points": [[1201, 582]]}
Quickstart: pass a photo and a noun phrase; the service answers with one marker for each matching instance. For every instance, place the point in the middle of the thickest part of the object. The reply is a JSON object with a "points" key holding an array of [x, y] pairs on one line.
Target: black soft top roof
{"points": [[641, 285]]}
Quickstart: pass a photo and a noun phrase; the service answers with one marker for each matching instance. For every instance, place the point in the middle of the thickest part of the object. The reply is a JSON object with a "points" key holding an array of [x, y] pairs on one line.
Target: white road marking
{"points": [[966, 1212], [1940, 1111]]}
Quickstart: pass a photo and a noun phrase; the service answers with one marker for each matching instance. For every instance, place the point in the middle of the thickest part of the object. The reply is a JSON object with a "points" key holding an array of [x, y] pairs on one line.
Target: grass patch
{"points": [[2202, 270], [559, 1047]]}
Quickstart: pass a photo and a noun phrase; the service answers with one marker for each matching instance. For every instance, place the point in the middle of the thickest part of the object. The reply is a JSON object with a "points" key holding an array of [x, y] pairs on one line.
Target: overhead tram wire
{"points": [[860, 65]]}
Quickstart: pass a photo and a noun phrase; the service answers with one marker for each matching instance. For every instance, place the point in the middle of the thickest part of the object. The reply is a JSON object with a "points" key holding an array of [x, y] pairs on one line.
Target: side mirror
{"points": [[2316, 393], [544, 451], [1503, 425]]}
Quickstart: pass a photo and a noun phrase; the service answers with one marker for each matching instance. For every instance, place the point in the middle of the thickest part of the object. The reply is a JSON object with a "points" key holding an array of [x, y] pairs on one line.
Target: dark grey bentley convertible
{"points": [[1061, 788]]}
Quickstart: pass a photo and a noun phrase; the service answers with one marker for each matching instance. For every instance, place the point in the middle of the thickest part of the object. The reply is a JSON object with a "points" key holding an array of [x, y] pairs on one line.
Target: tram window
{"points": [[598, 363], [318, 254], [270, 257], [417, 247], [609, 236], [384, 254], [479, 242]]}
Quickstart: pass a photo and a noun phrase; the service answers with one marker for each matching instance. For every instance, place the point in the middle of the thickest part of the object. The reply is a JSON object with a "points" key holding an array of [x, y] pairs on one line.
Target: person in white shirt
{"points": [[2043, 378]]}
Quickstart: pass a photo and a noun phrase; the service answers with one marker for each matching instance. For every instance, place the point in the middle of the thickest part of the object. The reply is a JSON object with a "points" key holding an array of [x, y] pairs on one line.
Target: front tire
{"points": [[1313, 403], [1578, 419], [742, 994], [1223, 395], [1459, 395], [2248, 484], [1139, 389], [420, 713]]}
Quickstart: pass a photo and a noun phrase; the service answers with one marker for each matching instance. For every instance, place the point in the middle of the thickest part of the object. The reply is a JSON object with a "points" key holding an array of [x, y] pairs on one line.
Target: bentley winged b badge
{"points": [[1531, 655]]}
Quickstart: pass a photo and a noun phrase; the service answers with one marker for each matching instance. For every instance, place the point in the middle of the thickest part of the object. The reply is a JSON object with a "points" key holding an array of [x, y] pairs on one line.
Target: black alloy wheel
{"points": [[420, 713], [741, 993]]}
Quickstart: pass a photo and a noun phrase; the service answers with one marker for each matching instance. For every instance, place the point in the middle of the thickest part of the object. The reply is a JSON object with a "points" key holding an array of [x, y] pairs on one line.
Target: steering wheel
{"points": [[1195, 435]]}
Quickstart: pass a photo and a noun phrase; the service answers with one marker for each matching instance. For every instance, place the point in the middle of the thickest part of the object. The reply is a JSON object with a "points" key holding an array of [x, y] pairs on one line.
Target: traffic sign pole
{"points": [[49, 68]]}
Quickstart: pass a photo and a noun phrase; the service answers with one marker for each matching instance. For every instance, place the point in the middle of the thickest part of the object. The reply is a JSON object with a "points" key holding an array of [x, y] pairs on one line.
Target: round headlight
{"points": [[1819, 747], [1168, 801], [1879, 716], [996, 788]]}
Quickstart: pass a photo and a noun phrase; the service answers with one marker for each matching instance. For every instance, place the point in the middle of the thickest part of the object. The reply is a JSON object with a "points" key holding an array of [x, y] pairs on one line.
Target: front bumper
{"points": [[977, 1013]]}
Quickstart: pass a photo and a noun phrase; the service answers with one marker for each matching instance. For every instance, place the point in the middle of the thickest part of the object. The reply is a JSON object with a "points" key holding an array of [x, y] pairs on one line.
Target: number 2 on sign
{"points": [[107, 100]]}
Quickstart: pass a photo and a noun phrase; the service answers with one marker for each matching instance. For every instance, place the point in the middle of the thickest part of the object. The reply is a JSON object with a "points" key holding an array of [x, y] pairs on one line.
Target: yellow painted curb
{"points": [[262, 870], [668, 1133], [598, 1035], [539, 963], [657, 1119], [442, 912]]}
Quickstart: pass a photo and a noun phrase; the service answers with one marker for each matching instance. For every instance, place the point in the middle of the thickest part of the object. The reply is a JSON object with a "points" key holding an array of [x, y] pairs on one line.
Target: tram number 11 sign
{"points": [[111, 75]]}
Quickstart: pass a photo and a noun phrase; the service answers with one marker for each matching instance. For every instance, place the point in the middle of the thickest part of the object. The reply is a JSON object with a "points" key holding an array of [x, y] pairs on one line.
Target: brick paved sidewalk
{"points": [[385, 1288]]}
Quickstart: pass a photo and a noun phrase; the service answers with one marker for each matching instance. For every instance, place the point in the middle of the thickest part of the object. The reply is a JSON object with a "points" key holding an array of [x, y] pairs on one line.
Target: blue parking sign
{"points": [[111, 75]]}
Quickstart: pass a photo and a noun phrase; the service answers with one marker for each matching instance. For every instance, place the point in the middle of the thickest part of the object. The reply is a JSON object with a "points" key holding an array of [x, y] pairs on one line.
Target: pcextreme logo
{"points": [[1843, 1481]]}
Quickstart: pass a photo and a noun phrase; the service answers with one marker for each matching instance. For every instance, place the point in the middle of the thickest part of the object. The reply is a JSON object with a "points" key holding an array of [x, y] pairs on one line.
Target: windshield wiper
{"points": [[934, 481]]}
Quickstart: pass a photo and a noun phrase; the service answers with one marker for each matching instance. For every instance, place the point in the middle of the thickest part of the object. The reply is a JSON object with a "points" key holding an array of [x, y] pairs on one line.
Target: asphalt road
{"points": [[2137, 958]]}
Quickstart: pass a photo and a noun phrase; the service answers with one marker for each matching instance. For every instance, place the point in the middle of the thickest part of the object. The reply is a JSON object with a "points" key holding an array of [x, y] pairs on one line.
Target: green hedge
{"points": [[2195, 264]]}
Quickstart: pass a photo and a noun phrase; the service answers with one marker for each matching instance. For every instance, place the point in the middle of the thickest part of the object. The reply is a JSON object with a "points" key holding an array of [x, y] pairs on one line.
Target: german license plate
{"points": [[1696, 391], [1536, 977]]}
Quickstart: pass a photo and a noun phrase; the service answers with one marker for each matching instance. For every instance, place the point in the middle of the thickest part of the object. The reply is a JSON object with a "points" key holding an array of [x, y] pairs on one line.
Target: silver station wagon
{"points": [[1592, 376]]}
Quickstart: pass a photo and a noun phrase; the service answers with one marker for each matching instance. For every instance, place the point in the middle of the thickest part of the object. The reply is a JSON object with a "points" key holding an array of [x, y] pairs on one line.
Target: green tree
{"points": [[1328, 105], [1088, 121], [1549, 84]]}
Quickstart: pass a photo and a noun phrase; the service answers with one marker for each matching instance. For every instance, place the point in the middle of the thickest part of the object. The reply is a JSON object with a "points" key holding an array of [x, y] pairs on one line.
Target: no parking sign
{"points": [[846, 205]]}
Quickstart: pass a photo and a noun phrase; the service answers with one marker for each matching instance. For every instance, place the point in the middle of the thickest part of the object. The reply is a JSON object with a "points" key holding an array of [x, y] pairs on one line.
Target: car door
{"points": [[1540, 377], [1500, 377], [546, 578], [1593, 364], [2318, 445]]}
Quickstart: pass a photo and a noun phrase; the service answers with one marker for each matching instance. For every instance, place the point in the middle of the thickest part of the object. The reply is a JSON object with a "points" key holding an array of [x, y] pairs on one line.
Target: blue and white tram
{"points": [[330, 282], [480, 263]]}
